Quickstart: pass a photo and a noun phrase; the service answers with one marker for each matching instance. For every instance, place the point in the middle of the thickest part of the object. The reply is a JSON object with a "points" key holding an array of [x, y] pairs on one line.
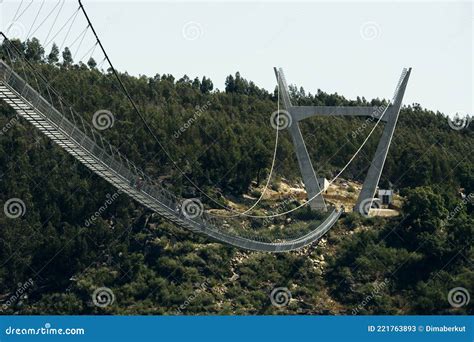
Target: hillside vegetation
{"points": [[223, 140]]}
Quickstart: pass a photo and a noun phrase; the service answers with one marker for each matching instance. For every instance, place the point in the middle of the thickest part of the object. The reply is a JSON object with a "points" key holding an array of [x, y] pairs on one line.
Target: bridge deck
{"points": [[122, 174]]}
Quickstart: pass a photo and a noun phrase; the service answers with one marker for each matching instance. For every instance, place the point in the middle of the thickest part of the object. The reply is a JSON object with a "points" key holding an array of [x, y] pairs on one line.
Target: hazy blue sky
{"points": [[353, 48]]}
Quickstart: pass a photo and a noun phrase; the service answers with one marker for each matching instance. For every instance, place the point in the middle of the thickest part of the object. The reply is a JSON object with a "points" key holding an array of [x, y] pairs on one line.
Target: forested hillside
{"points": [[223, 140]]}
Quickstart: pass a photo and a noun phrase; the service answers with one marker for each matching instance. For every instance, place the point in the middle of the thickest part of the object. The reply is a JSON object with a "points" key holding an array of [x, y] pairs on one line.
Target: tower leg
{"points": [[308, 174], [375, 170], [310, 178]]}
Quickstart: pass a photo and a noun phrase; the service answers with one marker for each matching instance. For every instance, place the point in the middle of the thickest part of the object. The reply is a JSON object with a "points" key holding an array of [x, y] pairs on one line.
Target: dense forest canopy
{"points": [[224, 142]]}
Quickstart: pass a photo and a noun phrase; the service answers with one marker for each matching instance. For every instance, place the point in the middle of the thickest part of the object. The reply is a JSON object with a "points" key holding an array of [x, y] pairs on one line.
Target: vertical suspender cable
{"points": [[117, 76]]}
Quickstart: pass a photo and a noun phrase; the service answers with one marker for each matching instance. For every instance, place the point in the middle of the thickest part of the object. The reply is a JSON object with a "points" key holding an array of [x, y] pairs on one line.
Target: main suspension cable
{"points": [[334, 179], [273, 162], [149, 129], [177, 166], [135, 107]]}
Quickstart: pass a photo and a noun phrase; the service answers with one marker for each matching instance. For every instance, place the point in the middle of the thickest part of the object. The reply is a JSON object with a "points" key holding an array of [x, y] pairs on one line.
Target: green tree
{"points": [[53, 56], [206, 85], [34, 51], [67, 57], [91, 63]]}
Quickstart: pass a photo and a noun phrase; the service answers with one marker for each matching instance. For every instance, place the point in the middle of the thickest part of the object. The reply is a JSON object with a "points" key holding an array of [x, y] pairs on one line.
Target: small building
{"points": [[323, 184], [386, 196]]}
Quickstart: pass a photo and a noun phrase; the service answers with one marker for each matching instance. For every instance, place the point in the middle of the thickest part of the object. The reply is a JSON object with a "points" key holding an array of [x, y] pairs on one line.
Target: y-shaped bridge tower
{"points": [[33, 98], [310, 178]]}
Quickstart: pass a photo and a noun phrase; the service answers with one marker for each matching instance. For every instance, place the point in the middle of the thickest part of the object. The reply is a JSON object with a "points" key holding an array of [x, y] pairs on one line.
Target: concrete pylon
{"points": [[366, 196], [298, 113], [310, 178]]}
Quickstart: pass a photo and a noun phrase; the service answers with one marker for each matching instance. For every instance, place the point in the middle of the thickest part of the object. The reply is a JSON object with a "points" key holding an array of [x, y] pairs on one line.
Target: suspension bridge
{"points": [[30, 94]]}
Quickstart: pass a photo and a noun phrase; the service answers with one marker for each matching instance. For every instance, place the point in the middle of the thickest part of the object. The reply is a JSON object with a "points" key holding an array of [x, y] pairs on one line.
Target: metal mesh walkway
{"points": [[79, 139]]}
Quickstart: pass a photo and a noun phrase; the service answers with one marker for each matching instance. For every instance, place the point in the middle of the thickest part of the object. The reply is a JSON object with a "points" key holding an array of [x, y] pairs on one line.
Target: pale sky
{"points": [[352, 48]]}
